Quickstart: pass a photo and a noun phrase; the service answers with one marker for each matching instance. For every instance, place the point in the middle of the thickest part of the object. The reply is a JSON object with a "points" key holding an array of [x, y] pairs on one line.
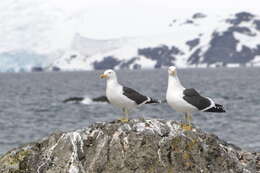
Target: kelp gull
{"points": [[121, 96], [187, 100]]}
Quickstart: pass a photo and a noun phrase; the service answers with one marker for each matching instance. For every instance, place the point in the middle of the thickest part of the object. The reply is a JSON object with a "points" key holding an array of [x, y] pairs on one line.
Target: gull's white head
{"points": [[172, 71], [108, 74]]}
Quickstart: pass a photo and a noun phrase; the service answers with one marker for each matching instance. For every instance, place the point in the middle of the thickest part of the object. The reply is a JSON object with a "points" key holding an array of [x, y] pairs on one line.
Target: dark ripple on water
{"points": [[31, 103]]}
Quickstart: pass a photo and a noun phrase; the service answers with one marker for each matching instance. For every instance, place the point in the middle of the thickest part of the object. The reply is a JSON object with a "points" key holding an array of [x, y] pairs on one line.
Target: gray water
{"points": [[31, 103]]}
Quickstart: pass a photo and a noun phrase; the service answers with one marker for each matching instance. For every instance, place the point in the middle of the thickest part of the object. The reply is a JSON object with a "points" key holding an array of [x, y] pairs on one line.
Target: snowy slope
{"points": [[200, 41], [36, 37]]}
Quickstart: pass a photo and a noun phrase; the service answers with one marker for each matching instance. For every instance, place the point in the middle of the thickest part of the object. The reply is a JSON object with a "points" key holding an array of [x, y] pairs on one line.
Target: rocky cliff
{"points": [[139, 146]]}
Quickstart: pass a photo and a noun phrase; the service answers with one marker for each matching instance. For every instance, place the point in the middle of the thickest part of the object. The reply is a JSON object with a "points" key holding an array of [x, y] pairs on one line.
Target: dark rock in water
{"points": [[37, 69], [139, 146], [55, 68], [80, 99], [73, 99], [100, 99]]}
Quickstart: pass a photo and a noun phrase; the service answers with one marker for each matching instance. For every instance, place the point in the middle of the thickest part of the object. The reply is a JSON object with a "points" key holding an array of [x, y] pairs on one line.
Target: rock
{"points": [[163, 55], [139, 146], [80, 99], [100, 99], [54, 68], [73, 99], [198, 16], [108, 62], [193, 43], [37, 69]]}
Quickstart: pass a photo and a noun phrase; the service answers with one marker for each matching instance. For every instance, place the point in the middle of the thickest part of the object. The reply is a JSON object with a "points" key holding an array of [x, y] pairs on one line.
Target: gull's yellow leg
{"points": [[125, 118], [189, 118], [187, 125]]}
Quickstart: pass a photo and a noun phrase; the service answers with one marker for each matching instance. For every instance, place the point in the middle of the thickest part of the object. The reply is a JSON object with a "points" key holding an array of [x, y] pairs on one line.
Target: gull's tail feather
{"points": [[217, 108], [151, 101]]}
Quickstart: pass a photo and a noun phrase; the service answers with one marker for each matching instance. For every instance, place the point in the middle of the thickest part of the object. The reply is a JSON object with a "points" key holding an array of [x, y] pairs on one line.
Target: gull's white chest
{"points": [[115, 96], [175, 100]]}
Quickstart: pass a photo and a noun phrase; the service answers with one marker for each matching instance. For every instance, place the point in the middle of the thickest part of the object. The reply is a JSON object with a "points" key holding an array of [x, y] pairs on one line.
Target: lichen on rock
{"points": [[139, 146]]}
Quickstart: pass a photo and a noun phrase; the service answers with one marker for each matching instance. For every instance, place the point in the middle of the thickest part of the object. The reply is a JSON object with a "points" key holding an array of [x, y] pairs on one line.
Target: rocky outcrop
{"points": [[139, 146], [81, 99], [163, 55], [100, 99], [223, 48], [109, 62]]}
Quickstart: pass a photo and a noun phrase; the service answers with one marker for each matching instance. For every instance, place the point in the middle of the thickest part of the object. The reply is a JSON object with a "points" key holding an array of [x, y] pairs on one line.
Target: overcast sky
{"points": [[116, 18], [46, 25]]}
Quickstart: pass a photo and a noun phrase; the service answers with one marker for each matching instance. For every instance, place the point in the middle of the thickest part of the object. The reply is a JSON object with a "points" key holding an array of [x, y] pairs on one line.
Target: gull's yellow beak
{"points": [[102, 76]]}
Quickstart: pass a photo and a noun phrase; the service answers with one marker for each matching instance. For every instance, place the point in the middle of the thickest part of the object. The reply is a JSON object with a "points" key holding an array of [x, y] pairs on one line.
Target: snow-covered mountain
{"points": [[200, 41]]}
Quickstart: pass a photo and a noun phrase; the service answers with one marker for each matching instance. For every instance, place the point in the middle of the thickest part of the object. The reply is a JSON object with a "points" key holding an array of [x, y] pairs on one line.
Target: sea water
{"points": [[31, 104]]}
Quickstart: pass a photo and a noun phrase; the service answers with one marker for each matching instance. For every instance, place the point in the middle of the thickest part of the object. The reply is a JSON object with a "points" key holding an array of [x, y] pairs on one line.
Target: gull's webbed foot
{"points": [[186, 127]]}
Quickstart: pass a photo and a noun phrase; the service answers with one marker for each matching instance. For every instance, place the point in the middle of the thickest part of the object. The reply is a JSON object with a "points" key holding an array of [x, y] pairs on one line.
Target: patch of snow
{"points": [[255, 61], [145, 62], [71, 61], [203, 65], [233, 65], [249, 41]]}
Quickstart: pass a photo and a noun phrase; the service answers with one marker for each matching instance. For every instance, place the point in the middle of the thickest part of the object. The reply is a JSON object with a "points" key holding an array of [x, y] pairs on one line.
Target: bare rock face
{"points": [[139, 146]]}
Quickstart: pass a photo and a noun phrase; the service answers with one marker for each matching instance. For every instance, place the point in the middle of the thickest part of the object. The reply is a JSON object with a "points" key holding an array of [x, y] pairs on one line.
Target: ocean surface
{"points": [[31, 103]]}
